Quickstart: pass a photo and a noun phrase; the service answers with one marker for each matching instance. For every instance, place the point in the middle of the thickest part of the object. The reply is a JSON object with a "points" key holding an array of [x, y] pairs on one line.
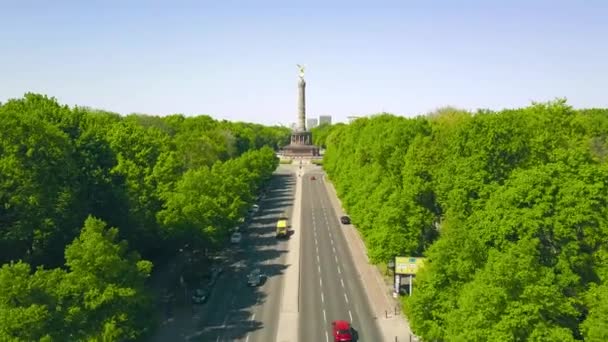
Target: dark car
{"points": [[255, 278], [200, 296], [342, 331], [313, 178], [345, 220]]}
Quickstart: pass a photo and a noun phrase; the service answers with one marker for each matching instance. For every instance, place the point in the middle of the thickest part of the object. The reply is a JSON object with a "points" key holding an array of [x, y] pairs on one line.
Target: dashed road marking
{"points": [[342, 282], [339, 269], [251, 320], [350, 315], [318, 258], [326, 336], [319, 269], [346, 297], [322, 298], [320, 282], [336, 257], [324, 316]]}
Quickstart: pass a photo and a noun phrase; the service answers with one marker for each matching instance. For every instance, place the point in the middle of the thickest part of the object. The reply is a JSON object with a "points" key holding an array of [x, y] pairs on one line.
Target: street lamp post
{"points": [[391, 266]]}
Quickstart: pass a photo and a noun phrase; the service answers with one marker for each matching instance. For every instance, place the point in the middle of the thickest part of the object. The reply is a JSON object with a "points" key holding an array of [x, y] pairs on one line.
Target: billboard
{"points": [[408, 265]]}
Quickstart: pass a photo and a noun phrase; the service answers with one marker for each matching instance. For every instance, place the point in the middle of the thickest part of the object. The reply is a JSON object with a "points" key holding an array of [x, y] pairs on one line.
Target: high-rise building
{"points": [[324, 119], [311, 123]]}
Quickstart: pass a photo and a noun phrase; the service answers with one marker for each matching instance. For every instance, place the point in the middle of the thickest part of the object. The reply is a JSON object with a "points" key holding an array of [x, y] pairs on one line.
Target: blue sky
{"points": [[236, 60]]}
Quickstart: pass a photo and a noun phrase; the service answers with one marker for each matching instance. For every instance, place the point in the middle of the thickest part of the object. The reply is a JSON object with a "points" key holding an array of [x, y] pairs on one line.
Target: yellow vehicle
{"points": [[282, 227]]}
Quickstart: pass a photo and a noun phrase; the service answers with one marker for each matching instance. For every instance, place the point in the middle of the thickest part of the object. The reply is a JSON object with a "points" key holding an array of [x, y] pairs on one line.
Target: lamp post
{"points": [[391, 266]]}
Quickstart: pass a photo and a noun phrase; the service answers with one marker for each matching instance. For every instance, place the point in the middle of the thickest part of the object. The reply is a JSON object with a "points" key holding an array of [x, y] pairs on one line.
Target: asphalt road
{"points": [[330, 288], [234, 311]]}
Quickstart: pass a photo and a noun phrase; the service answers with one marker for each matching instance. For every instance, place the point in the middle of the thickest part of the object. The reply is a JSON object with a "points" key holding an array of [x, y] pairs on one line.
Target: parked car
{"points": [[255, 277], [313, 178], [345, 220], [200, 296], [342, 331], [235, 237]]}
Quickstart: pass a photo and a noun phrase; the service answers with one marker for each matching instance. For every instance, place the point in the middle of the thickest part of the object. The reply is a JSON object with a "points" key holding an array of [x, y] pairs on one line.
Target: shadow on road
{"points": [[227, 314]]}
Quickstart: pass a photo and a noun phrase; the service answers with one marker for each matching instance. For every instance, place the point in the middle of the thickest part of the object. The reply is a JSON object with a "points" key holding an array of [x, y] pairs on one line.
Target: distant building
{"points": [[353, 118], [324, 119], [293, 126], [312, 123]]}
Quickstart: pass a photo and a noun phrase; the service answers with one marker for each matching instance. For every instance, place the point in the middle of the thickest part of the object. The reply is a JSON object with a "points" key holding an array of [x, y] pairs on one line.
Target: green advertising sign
{"points": [[408, 265]]}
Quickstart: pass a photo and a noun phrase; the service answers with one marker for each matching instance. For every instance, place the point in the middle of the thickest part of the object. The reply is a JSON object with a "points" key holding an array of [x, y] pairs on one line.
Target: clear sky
{"points": [[236, 60]]}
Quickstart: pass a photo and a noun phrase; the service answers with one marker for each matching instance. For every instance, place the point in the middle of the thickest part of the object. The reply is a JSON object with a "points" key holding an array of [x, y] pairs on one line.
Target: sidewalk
{"points": [[394, 327]]}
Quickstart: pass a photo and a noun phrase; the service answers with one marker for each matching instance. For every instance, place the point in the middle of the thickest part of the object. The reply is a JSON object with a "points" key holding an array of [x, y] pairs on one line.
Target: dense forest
{"points": [[509, 208], [90, 201]]}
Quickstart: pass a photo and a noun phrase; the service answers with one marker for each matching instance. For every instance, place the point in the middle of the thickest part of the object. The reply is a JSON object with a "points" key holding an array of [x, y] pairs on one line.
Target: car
{"points": [[345, 220], [235, 237], [200, 296], [255, 208], [313, 178], [255, 277], [342, 331], [216, 270]]}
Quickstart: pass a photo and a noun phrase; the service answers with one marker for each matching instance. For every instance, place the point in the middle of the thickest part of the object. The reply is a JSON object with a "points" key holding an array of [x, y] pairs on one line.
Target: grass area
{"points": [[318, 162], [285, 161]]}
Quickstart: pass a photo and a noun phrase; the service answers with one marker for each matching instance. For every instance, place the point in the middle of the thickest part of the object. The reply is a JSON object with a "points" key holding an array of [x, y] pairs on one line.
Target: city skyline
{"points": [[237, 61]]}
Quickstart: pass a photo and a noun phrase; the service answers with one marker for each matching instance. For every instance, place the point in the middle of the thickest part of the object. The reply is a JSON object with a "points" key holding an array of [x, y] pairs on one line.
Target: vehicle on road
{"points": [[255, 277], [282, 227], [254, 208], [313, 178], [235, 237], [200, 296], [342, 331], [345, 220]]}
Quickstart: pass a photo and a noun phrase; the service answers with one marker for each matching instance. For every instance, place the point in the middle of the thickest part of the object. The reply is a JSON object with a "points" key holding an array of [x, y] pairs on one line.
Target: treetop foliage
{"points": [[162, 182], [509, 207]]}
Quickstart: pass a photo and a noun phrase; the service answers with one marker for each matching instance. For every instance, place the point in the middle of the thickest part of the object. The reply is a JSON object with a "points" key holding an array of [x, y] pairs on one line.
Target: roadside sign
{"points": [[408, 265]]}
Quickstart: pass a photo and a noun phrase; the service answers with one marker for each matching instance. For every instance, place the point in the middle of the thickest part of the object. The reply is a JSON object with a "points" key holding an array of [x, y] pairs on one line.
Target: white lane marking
{"points": [[320, 282], [318, 258], [350, 315], [319, 269], [326, 336], [336, 257], [342, 281], [217, 339], [316, 242], [331, 240], [346, 297], [251, 320], [322, 298], [324, 316], [334, 249], [338, 269]]}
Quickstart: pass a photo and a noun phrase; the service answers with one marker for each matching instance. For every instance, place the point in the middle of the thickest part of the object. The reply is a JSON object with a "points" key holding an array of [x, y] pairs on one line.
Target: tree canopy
{"points": [[508, 207], [161, 182]]}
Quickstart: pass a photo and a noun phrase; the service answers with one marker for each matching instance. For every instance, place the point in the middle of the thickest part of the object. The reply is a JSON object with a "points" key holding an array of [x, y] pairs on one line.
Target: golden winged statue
{"points": [[301, 70]]}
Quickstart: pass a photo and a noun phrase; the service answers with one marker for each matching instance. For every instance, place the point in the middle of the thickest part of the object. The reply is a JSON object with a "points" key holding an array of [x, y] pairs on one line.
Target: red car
{"points": [[342, 331]]}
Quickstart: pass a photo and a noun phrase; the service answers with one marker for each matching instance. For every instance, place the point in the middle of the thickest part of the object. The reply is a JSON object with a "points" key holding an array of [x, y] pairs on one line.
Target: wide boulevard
{"points": [[330, 288]]}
